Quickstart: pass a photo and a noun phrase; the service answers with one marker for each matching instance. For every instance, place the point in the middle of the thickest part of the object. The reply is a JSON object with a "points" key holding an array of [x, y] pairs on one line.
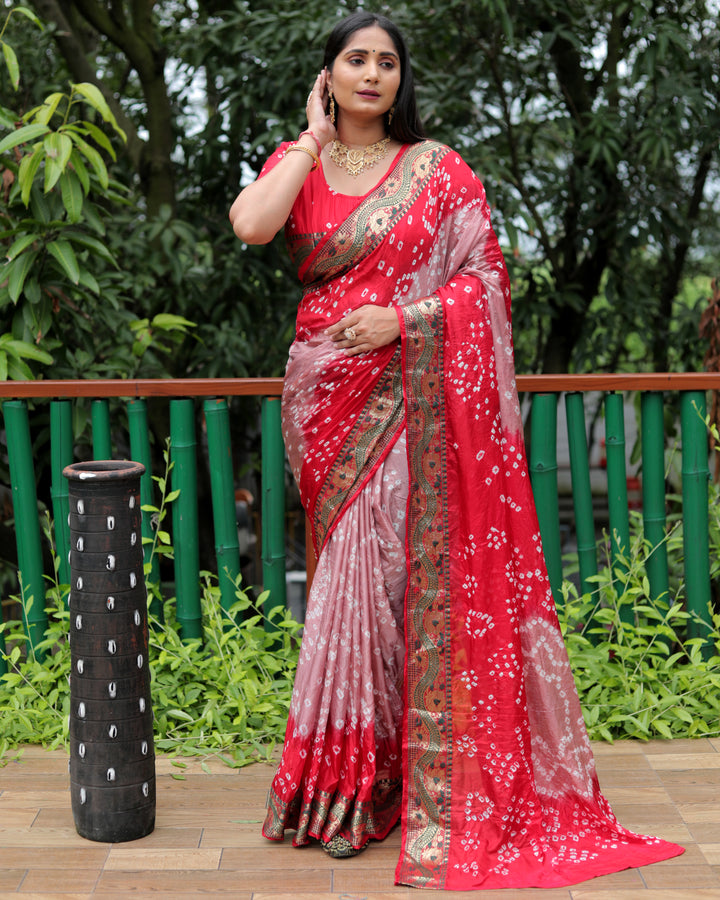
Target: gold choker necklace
{"points": [[356, 161]]}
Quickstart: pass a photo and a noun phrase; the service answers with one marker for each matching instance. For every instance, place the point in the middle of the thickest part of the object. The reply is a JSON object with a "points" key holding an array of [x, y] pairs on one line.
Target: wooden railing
{"points": [[181, 394]]}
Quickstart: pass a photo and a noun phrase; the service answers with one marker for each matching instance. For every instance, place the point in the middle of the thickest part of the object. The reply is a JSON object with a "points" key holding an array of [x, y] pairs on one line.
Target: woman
{"points": [[433, 685]]}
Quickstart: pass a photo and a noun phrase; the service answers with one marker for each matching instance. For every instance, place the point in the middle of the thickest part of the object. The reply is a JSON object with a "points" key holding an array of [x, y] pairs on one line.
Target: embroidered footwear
{"points": [[340, 848]]}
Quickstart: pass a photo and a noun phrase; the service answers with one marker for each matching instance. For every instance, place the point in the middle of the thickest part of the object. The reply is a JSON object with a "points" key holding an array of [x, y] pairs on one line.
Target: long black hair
{"points": [[405, 125]]}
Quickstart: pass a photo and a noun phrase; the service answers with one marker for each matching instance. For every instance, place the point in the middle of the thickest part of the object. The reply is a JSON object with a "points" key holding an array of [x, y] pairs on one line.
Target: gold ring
{"points": [[350, 334]]}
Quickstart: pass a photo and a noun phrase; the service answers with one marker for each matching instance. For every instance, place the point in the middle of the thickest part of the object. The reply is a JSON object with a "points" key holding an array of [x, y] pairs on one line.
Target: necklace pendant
{"points": [[356, 161]]}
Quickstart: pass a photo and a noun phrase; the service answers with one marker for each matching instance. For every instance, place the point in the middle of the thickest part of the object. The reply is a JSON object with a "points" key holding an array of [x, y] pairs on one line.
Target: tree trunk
{"points": [[673, 268], [132, 31]]}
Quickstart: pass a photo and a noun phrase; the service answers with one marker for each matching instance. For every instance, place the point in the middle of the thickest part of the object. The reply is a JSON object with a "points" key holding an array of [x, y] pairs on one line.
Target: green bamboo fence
{"points": [[653, 492], [618, 511], [543, 475], [27, 523], [227, 550], [183, 456], [581, 490], [695, 477], [184, 453], [137, 416], [273, 503]]}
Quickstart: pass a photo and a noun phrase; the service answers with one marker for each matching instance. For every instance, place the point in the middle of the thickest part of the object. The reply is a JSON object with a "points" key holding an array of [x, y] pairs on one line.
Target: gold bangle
{"points": [[307, 150]]}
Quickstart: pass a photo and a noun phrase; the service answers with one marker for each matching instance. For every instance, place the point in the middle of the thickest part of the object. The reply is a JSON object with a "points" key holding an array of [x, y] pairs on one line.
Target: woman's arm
{"points": [[261, 209]]}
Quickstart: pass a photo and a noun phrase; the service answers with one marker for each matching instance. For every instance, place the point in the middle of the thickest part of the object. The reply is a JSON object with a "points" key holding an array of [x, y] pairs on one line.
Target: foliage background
{"points": [[594, 127]]}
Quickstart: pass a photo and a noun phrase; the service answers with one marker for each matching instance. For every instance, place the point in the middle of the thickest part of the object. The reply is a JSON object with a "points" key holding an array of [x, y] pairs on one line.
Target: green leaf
{"points": [[180, 714], [87, 128], [12, 65], [20, 244], [32, 290], [44, 113], [7, 120], [52, 172], [93, 220], [663, 728], [95, 246], [95, 98], [17, 271], [22, 136], [94, 158], [18, 370], [39, 205], [24, 350], [63, 252], [78, 166], [28, 13], [88, 280], [58, 148], [72, 195]]}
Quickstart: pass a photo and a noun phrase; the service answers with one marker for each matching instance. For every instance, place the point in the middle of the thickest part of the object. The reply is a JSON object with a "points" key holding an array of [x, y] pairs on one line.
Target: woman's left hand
{"points": [[365, 328]]}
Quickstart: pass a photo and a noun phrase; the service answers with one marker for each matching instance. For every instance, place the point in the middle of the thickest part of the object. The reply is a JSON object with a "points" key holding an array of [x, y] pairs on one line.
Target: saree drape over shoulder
{"points": [[433, 685]]}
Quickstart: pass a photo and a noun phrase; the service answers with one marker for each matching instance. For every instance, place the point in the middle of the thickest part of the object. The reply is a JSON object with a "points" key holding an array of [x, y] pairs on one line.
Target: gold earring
{"points": [[391, 113], [332, 108]]}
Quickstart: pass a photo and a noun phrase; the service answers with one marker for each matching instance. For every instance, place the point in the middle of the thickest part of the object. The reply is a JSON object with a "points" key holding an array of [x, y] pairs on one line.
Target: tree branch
{"points": [[516, 168], [80, 69]]}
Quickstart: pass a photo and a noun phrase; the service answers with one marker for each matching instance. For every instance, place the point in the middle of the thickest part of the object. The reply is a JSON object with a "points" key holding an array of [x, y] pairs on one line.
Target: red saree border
{"points": [[427, 735], [366, 445]]}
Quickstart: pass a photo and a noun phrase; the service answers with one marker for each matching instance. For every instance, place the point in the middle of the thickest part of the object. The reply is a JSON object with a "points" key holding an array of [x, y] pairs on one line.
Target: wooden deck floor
{"points": [[207, 840]]}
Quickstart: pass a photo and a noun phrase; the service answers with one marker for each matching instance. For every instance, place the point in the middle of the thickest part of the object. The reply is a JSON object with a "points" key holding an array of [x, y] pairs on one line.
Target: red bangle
{"points": [[319, 146]]}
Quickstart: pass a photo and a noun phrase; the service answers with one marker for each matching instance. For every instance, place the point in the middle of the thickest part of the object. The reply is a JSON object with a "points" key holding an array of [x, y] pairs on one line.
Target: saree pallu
{"points": [[498, 781]]}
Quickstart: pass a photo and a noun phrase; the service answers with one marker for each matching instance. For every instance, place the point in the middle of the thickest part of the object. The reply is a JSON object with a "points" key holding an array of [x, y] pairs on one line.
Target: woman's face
{"points": [[365, 75]]}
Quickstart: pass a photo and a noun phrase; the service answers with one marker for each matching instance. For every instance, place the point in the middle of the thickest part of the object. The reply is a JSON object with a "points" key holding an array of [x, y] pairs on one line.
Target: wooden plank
{"points": [[272, 387]]}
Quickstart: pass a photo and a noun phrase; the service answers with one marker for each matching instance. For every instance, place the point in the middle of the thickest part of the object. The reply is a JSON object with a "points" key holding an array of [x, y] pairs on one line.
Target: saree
{"points": [[433, 686]]}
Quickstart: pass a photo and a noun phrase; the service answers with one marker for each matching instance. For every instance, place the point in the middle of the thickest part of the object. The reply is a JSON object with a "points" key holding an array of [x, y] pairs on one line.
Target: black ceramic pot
{"points": [[112, 758]]}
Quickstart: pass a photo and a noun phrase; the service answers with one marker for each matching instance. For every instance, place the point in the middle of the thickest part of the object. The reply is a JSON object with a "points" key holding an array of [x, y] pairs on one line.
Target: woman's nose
{"points": [[371, 73]]}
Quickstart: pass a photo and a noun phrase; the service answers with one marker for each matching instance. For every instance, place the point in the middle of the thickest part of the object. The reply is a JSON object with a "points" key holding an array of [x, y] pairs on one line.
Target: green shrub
{"points": [[638, 673], [226, 696]]}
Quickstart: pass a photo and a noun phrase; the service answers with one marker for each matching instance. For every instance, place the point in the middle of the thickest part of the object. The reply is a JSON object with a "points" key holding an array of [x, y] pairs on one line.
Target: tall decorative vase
{"points": [[112, 757]]}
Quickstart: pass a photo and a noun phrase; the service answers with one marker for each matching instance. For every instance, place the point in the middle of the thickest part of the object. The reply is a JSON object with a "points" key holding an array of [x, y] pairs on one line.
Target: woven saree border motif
{"points": [[366, 444], [428, 687], [300, 246], [375, 217]]}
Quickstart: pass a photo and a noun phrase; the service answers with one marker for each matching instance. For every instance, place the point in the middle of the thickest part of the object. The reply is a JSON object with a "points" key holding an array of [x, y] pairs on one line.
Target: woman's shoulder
{"points": [[275, 157]]}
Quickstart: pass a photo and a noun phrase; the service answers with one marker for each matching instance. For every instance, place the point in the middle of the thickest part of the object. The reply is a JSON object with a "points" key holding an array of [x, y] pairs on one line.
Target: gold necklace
{"points": [[356, 161]]}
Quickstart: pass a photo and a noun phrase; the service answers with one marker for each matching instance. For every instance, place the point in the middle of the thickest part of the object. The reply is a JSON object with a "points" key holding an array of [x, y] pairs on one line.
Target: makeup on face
{"points": [[367, 69]]}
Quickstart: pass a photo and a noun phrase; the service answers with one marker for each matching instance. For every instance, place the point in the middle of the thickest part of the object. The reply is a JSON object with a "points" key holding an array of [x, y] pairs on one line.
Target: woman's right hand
{"points": [[318, 120]]}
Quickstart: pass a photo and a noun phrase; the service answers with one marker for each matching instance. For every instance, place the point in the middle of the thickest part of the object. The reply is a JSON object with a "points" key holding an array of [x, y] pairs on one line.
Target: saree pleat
{"points": [[433, 684], [340, 768]]}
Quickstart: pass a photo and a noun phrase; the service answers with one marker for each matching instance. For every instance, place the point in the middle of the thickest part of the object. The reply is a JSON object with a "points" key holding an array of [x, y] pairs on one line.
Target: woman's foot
{"points": [[340, 848]]}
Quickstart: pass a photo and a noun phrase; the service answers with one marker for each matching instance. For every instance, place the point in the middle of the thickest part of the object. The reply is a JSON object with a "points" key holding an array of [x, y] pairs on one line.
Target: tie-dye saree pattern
{"points": [[433, 685]]}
